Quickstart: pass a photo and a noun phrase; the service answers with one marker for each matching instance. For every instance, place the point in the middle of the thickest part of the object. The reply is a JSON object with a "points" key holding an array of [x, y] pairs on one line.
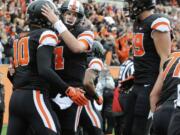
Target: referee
{"points": [[126, 72]]}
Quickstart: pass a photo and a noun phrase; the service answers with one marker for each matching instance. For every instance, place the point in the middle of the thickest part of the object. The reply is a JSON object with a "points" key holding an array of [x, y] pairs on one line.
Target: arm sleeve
{"points": [[10, 77], [44, 63]]}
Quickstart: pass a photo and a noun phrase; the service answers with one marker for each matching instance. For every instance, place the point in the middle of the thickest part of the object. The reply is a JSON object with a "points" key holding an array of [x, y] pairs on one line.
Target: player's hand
{"points": [[49, 14], [99, 100], [77, 96]]}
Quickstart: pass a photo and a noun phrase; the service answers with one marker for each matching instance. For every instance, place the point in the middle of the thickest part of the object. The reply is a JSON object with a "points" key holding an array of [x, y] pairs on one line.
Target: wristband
{"points": [[60, 27]]}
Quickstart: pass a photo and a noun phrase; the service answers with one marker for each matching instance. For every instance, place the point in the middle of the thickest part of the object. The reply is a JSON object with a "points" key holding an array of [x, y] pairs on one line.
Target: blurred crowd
{"points": [[108, 21]]}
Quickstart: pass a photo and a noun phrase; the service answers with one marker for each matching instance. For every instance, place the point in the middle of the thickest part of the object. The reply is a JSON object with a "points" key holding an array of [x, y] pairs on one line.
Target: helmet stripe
{"points": [[74, 5]]}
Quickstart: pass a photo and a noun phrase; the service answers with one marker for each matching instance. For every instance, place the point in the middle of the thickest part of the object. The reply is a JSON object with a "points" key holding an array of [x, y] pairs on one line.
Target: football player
{"points": [[174, 124], [90, 114], [29, 104], [164, 96], [70, 59], [151, 47]]}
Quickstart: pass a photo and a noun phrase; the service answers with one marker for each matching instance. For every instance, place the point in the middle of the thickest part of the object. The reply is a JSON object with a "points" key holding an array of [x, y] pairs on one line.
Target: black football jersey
{"points": [[146, 58], [71, 66], [25, 61], [171, 75]]}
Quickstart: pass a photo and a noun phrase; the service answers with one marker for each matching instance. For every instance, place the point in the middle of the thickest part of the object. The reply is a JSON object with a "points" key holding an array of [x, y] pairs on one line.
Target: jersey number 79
{"points": [[138, 44]]}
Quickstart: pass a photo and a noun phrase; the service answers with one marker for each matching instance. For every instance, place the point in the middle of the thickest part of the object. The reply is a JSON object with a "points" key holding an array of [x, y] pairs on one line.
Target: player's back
{"points": [[146, 58], [25, 61]]}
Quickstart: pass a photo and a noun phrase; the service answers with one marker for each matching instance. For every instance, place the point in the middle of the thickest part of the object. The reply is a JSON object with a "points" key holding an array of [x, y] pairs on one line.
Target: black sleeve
{"points": [[44, 64], [10, 77]]}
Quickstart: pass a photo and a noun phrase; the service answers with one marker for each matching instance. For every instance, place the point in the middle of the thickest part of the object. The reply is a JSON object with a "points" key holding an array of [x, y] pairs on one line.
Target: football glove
{"points": [[77, 96]]}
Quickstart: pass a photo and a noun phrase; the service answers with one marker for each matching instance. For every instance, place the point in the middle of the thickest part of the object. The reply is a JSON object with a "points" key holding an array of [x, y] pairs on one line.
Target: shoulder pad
{"points": [[161, 24], [87, 37], [49, 38], [96, 64]]}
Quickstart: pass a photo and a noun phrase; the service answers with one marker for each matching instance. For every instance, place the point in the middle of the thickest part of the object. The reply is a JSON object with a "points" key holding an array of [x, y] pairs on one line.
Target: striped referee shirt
{"points": [[126, 69]]}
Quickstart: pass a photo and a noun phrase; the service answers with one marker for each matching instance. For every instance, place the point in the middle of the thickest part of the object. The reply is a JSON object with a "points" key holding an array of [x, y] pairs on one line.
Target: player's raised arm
{"points": [[69, 17]]}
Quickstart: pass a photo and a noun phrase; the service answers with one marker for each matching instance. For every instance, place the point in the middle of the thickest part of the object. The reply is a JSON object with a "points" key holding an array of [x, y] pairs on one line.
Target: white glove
{"points": [[62, 102]]}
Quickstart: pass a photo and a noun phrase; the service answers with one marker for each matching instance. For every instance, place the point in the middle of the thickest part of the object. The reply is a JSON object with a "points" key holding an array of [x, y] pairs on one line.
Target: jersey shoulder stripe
{"points": [[96, 64], [86, 38], [48, 38], [161, 24]]}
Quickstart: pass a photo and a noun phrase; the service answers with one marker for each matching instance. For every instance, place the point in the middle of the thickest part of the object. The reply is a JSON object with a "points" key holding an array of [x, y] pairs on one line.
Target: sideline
{"points": [[7, 89]]}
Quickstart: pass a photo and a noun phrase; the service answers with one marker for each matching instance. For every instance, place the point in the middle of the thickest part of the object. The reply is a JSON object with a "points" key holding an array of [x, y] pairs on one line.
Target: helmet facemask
{"points": [[70, 18], [69, 9]]}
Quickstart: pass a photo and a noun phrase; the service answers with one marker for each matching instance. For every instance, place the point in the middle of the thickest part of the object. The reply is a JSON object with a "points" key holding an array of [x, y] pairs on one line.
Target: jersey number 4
{"points": [[138, 44], [59, 60], [21, 52]]}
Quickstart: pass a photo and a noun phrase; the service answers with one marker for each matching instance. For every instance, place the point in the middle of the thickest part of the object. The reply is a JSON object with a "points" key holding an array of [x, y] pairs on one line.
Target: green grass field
{"points": [[4, 130]]}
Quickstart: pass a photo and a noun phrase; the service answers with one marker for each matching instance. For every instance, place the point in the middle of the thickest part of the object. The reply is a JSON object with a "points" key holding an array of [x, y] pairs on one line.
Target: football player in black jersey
{"points": [[95, 66], [151, 46], [90, 114], [70, 59], [164, 96], [29, 105]]}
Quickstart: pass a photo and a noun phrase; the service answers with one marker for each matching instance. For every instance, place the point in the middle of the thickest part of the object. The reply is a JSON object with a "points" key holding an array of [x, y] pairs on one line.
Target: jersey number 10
{"points": [[21, 52]]}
